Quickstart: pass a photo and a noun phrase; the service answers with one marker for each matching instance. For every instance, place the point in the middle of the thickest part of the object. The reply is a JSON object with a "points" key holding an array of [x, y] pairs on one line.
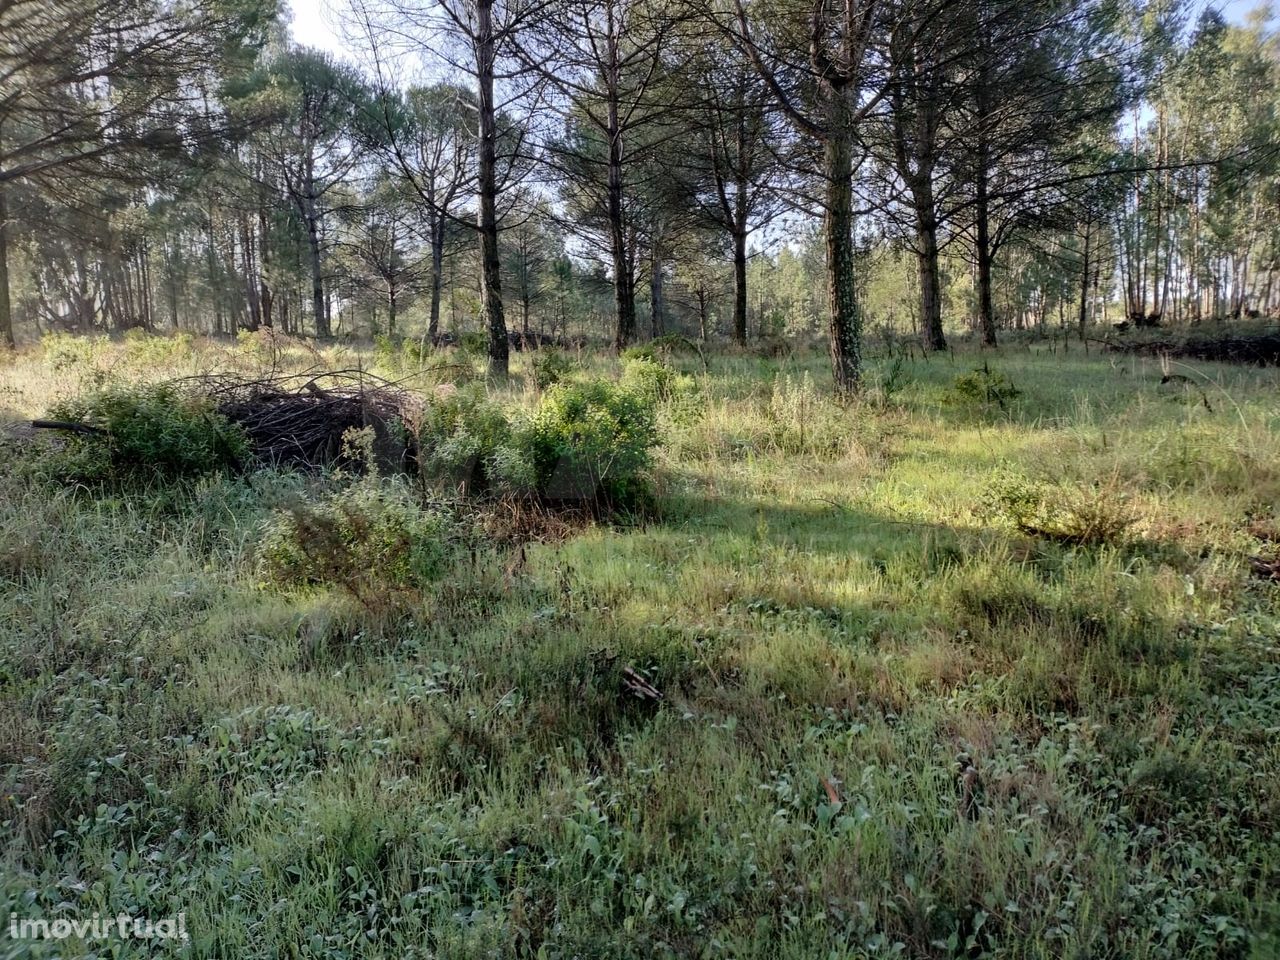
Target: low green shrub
{"points": [[462, 435], [262, 345], [64, 350], [386, 351], [402, 353], [587, 441], [1087, 516], [473, 344], [147, 350], [665, 350], [368, 538], [890, 382], [984, 386], [550, 367], [802, 421], [590, 441], [639, 351], [649, 378], [269, 348], [147, 431]]}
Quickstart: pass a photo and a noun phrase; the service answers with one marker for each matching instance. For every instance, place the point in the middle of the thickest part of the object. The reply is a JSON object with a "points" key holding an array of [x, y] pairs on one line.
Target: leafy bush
{"points": [[147, 350], [387, 351], [146, 431], [269, 348], [416, 351], [984, 386], [639, 351], [63, 350], [550, 367], [369, 537], [649, 378], [585, 441], [1076, 515], [664, 349], [261, 345], [590, 441], [461, 437]]}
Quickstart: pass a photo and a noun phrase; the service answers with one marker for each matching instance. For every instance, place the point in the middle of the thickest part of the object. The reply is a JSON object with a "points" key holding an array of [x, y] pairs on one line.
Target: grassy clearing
{"points": [[840, 615]]}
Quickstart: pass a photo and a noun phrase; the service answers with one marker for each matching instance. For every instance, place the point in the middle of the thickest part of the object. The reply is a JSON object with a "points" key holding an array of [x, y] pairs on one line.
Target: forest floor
{"points": [[899, 717]]}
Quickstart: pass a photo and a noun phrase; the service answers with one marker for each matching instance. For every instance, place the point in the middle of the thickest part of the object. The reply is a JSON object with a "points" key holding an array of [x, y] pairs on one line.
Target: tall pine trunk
{"points": [[437, 275], [491, 312], [6, 307], [982, 253], [391, 308], [623, 285], [842, 292], [981, 206], [319, 309], [927, 262], [264, 288], [657, 301], [1084, 282], [740, 286]]}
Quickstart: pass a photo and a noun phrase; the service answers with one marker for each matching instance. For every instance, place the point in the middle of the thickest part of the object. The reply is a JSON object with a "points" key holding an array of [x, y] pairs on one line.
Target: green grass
{"points": [[829, 601]]}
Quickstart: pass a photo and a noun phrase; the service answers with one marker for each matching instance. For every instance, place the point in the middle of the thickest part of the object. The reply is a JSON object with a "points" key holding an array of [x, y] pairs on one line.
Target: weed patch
{"points": [[1080, 515], [366, 539]]}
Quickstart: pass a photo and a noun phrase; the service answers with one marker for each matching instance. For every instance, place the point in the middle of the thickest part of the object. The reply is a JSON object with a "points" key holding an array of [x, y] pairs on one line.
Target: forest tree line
{"points": [[621, 169]]}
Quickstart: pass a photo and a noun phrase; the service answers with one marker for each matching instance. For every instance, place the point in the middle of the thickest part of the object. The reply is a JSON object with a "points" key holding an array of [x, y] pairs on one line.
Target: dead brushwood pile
{"points": [[304, 419], [1255, 346]]}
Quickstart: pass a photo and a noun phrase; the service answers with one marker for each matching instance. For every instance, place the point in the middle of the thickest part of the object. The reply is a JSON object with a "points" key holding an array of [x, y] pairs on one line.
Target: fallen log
{"points": [[69, 426]]}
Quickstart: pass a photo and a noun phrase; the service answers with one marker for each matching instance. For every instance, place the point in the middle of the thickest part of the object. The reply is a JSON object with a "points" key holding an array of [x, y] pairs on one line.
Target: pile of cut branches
{"points": [[1254, 344], [302, 419]]}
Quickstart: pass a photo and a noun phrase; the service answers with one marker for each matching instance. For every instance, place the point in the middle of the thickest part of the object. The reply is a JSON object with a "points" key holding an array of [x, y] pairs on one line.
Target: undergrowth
{"points": [[899, 678]]}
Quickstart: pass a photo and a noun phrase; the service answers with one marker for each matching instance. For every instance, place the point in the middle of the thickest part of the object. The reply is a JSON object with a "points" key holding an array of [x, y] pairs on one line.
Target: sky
{"points": [[316, 22]]}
